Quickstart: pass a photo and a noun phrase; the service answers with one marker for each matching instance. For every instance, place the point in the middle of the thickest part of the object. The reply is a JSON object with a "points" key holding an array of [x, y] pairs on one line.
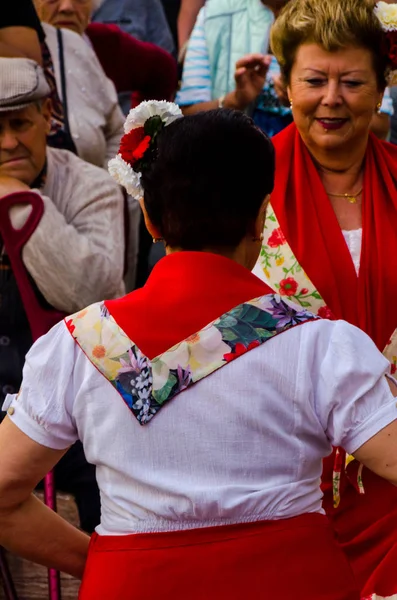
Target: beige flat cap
{"points": [[22, 82]]}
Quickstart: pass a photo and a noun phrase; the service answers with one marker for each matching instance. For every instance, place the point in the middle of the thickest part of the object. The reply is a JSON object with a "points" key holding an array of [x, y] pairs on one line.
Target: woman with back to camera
{"points": [[330, 241], [206, 403]]}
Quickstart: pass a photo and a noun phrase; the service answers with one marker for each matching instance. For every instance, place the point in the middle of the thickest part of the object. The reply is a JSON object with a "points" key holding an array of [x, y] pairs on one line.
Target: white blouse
{"points": [[243, 444], [95, 118], [354, 240]]}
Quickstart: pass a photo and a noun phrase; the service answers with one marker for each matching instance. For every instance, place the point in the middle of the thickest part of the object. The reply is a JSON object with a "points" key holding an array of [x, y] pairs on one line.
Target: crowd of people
{"points": [[201, 184]]}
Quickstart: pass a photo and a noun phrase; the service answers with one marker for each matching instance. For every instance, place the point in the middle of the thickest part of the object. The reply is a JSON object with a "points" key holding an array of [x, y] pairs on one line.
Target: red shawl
{"points": [[185, 292], [312, 230]]}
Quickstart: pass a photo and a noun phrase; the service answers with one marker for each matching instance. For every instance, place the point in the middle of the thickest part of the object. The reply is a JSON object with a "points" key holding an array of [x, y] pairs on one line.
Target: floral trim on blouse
{"points": [[147, 385], [284, 274]]}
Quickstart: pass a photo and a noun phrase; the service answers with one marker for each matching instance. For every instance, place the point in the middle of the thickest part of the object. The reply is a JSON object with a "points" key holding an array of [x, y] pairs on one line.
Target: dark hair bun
{"points": [[209, 179]]}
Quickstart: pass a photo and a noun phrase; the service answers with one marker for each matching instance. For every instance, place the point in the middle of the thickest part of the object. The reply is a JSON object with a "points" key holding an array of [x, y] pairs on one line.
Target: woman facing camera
{"points": [[331, 236], [206, 402]]}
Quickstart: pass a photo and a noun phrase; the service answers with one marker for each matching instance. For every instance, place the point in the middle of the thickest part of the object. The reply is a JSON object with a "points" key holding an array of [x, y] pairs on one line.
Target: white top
{"points": [[95, 118], [354, 240], [243, 444]]}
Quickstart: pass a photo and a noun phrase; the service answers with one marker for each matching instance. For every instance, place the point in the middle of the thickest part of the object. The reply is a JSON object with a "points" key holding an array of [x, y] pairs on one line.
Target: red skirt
{"points": [[291, 559], [366, 528]]}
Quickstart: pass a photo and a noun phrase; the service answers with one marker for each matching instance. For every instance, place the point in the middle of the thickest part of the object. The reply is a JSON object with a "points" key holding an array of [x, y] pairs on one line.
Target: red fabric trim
{"points": [[309, 223], [289, 559], [185, 292]]}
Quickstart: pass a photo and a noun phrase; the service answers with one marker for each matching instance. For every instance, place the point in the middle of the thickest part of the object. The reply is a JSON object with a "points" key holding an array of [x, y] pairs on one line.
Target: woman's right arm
{"points": [[20, 30], [37, 431], [20, 42], [28, 528]]}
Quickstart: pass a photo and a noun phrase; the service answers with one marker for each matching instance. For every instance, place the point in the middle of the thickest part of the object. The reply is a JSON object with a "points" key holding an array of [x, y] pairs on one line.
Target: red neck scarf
{"points": [[185, 292], [312, 230]]}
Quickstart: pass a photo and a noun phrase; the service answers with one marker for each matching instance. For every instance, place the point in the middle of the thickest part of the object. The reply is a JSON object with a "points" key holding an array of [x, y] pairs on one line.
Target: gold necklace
{"points": [[352, 198]]}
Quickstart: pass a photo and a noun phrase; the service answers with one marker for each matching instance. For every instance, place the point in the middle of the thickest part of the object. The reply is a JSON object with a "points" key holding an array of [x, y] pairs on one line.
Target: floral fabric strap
{"points": [[279, 268], [147, 385]]}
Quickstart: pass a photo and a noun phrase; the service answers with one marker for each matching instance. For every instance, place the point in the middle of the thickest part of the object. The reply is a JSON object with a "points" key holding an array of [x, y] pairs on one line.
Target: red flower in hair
{"points": [[133, 145]]}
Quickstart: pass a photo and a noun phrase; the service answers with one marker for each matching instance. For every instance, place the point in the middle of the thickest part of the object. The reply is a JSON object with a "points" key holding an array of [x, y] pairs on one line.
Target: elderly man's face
{"points": [[23, 141], [68, 14]]}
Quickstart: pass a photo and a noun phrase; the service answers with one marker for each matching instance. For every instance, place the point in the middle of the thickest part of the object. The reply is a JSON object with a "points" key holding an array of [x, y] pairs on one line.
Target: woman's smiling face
{"points": [[334, 95]]}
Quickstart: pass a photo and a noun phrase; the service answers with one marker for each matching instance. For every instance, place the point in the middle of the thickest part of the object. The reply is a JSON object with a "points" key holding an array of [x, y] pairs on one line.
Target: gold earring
{"points": [[378, 107], [290, 103]]}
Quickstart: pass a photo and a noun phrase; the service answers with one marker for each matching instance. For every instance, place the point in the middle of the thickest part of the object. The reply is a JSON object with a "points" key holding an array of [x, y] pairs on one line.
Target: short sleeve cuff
{"points": [[31, 425], [378, 421]]}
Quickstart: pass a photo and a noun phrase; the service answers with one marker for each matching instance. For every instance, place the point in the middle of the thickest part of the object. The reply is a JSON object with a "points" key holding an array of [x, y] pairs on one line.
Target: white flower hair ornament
{"points": [[387, 15], [141, 127]]}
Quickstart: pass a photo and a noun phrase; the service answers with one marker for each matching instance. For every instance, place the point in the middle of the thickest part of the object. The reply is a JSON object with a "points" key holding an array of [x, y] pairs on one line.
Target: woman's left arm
{"points": [[27, 527]]}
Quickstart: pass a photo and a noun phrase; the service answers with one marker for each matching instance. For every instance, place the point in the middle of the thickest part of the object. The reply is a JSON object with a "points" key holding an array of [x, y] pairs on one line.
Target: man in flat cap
{"points": [[75, 255]]}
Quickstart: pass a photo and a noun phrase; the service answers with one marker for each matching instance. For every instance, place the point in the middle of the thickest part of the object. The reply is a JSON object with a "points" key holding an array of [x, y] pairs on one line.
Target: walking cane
{"points": [[8, 584], [40, 320], [54, 580]]}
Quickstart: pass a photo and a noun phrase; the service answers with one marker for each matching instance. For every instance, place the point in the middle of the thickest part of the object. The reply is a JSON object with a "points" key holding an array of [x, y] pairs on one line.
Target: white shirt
{"points": [[354, 240], [244, 444], [95, 118]]}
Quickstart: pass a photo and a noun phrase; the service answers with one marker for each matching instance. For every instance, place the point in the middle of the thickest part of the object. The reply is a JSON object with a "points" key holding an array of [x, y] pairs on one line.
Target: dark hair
{"points": [[209, 179]]}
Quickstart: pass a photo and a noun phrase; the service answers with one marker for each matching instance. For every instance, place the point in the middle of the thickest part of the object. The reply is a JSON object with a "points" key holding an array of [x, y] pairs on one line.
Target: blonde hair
{"points": [[332, 24]]}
